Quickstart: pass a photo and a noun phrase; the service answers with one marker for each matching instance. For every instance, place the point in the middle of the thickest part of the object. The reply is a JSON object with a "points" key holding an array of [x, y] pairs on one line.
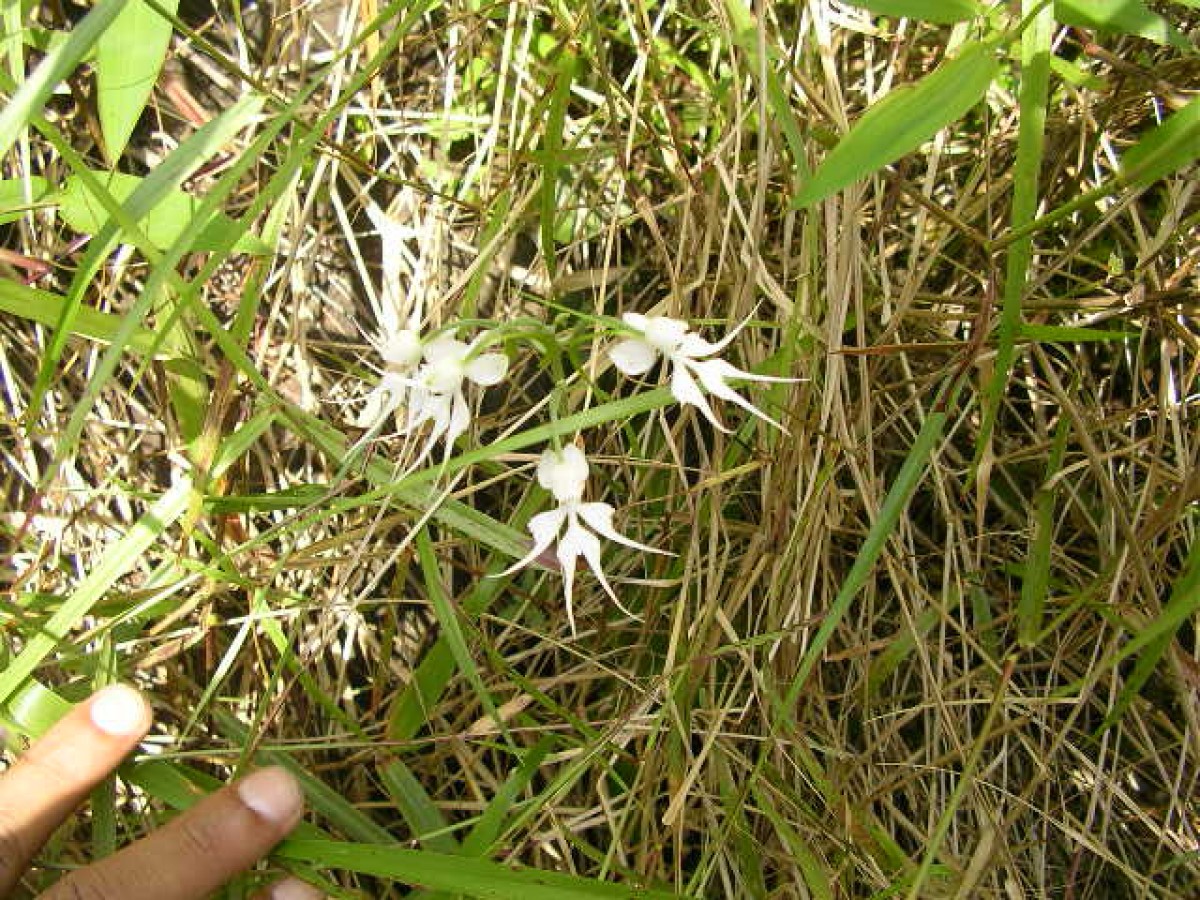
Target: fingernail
{"points": [[295, 889], [119, 710], [272, 793]]}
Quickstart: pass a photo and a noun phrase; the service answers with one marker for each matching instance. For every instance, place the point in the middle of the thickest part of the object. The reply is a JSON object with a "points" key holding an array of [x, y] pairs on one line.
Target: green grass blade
{"points": [[889, 516], [942, 12], [1125, 16], [424, 819], [1036, 580], [57, 65], [1169, 147], [903, 120], [129, 56], [460, 874], [1032, 99]]}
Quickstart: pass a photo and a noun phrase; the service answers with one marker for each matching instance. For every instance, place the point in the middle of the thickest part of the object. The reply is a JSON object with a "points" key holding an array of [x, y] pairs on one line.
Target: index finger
{"points": [[54, 776]]}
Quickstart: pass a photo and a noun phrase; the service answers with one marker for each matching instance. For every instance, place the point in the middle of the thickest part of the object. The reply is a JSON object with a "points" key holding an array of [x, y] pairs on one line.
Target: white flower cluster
{"points": [[424, 382]]}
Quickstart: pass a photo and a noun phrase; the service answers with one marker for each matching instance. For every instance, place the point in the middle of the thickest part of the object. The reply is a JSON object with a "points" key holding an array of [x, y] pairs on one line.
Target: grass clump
{"points": [[282, 359]]}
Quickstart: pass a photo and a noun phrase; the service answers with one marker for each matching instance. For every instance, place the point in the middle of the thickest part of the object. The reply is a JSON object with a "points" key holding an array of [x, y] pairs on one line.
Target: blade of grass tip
{"points": [[1035, 584], [903, 120], [460, 874], [1156, 638], [486, 832], [910, 475], [56, 66], [1031, 103], [129, 56]]}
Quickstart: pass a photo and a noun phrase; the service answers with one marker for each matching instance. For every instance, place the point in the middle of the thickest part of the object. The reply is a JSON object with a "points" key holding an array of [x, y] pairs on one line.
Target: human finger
{"points": [[54, 776], [289, 889], [201, 849]]}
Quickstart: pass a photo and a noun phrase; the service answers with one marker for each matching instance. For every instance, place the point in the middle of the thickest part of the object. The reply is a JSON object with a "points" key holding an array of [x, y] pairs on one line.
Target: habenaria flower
{"points": [[436, 394], [401, 353], [689, 355], [564, 473], [427, 380]]}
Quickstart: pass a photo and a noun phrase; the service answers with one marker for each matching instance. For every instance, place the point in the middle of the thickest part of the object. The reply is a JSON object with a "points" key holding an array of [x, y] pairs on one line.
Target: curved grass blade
{"points": [[1126, 16], [460, 874], [902, 121], [1171, 146]]}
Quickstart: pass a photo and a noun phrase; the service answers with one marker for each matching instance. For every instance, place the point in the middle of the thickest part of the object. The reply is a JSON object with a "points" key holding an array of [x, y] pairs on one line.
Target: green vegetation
{"points": [[937, 638]]}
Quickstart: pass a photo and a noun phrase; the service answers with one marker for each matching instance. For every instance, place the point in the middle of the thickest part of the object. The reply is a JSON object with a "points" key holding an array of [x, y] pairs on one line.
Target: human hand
{"points": [[190, 857]]}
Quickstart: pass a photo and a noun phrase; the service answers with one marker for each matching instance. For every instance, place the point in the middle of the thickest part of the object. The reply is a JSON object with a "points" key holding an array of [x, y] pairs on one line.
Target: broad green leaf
{"points": [[903, 120], [460, 874], [1126, 16], [129, 56], [13, 197], [943, 12], [83, 211], [46, 308], [1172, 145], [57, 65]]}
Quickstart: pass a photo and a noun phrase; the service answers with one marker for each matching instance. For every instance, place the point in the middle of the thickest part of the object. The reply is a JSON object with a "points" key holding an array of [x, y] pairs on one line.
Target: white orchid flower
{"points": [[436, 394], [564, 473], [401, 352], [689, 355]]}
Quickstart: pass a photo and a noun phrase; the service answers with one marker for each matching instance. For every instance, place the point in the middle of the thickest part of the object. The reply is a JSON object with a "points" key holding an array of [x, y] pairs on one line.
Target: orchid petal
{"points": [[713, 373], [487, 369], [401, 348], [633, 356], [445, 347], [460, 420], [599, 517], [589, 548], [568, 549], [696, 347], [685, 390], [544, 527]]}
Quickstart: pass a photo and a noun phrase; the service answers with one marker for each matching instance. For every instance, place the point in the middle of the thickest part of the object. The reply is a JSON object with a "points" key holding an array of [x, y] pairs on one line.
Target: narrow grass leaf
{"points": [[487, 830], [1071, 334], [129, 56], [57, 65], [172, 212], [903, 120], [429, 827], [460, 874], [1032, 100], [894, 504], [1125, 16], [46, 308], [1171, 146], [1036, 580], [941, 12]]}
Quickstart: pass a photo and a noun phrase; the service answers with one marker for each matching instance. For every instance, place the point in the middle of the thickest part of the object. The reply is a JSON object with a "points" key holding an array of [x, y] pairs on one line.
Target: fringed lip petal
{"points": [[685, 390], [712, 374], [599, 517]]}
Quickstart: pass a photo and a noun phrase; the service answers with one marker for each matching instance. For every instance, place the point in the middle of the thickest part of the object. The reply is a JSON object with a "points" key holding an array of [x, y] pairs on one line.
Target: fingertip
{"points": [[294, 889], [120, 711], [274, 794]]}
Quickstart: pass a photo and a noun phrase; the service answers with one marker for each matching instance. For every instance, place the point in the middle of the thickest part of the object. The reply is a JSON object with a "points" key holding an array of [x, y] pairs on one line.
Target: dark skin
{"points": [[187, 859]]}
